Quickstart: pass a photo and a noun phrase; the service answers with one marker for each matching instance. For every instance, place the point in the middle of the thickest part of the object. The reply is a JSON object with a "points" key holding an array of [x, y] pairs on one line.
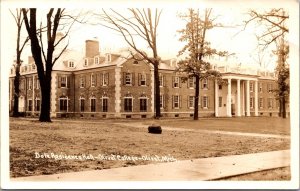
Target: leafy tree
{"points": [[20, 46], [140, 24], [273, 31], [44, 61], [198, 48]]}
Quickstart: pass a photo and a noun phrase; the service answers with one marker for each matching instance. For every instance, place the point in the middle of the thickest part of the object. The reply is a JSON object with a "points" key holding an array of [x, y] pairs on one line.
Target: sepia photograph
{"points": [[150, 95]]}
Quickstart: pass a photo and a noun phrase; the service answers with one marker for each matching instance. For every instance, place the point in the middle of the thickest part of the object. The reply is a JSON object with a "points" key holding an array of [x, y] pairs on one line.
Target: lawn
{"points": [[130, 138]]}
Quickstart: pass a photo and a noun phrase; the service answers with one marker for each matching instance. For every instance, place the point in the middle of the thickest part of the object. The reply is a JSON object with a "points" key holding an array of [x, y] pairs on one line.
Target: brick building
{"points": [[106, 85]]}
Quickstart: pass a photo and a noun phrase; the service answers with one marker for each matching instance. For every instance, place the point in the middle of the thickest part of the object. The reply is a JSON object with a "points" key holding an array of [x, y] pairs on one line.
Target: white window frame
{"points": [[108, 57], [146, 99], [65, 80], [37, 83], [96, 60], [128, 78], [64, 98], [176, 100], [86, 62], [71, 64], [270, 88], [191, 82], [205, 102], [30, 84], [176, 81], [104, 82], [143, 79], [161, 80], [81, 82]]}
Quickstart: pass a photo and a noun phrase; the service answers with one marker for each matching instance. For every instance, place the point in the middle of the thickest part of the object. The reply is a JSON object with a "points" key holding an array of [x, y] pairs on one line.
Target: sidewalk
{"points": [[197, 169]]}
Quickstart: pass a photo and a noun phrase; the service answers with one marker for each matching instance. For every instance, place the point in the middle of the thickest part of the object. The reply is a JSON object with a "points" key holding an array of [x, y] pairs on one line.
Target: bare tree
{"points": [[138, 24], [44, 61], [274, 31], [20, 46], [194, 66]]}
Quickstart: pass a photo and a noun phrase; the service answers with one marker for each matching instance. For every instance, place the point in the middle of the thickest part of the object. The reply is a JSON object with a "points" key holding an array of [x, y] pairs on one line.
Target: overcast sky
{"points": [[243, 44]]}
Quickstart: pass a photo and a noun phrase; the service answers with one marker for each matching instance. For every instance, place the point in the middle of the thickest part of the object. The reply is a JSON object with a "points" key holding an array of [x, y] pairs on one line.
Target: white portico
{"points": [[233, 98]]}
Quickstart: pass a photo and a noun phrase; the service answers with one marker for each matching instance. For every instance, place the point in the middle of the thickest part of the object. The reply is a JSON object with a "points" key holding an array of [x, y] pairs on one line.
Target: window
{"points": [[161, 80], [270, 103], [22, 84], [93, 104], [205, 84], [251, 87], [143, 104], [82, 104], [142, 79], [191, 82], [105, 79], [220, 102], [86, 62], [176, 101], [220, 87], [270, 88], [205, 102], [63, 82], [96, 60], [135, 62], [260, 102], [37, 104], [82, 82], [260, 87], [63, 104], [108, 57], [37, 82], [93, 80], [71, 64], [191, 102], [128, 78], [176, 82], [251, 102], [30, 105], [104, 104], [29, 83], [161, 101], [128, 104], [33, 66]]}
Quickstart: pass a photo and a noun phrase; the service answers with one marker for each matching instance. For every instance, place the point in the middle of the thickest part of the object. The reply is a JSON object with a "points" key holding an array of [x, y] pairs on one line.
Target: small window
{"points": [[142, 79], [33, 66], [191, 101], [251, 102], [128, 78], [220, 87], [176, 102], [86, 62], [205, 102], [135, 62], [71, 64], [63, 83], [82, 104], [108, 57], [176, 82], [96, 59]]}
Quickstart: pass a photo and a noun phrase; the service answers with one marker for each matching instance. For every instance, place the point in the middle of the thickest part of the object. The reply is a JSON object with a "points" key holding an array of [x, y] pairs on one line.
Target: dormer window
{"points": [[33, 66], [96, 60], [71, 64], [86, 62], [108, 57]]}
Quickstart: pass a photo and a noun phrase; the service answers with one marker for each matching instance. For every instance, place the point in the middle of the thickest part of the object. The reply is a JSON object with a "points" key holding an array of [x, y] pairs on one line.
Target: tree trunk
{"points": [[280, 107], [46, 100], [196, 106], [156, 91], [283, 108], [16, 92]]}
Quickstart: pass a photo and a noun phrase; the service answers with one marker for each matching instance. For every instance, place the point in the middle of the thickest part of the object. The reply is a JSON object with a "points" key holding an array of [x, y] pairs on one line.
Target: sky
{"points": [[242, 43]]}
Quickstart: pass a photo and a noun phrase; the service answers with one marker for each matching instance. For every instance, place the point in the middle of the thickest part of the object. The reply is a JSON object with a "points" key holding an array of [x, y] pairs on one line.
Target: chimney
{"points": [[30, 60], [91, 48]]}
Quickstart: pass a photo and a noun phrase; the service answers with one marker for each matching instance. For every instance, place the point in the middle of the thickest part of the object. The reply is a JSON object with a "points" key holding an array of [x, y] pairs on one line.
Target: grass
{"points": [[130, 137]]}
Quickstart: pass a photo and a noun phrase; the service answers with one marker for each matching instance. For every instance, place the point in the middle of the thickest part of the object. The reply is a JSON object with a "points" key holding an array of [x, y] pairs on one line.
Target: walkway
{"points": [[197, 169]]}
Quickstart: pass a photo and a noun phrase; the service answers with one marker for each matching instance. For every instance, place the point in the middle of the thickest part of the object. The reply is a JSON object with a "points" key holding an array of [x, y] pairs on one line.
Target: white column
{"points": [[152, 91], [243, 98], [238, 98], [118, 91], [248, 98], [256, 98], [216, 99], [229, 98]]}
